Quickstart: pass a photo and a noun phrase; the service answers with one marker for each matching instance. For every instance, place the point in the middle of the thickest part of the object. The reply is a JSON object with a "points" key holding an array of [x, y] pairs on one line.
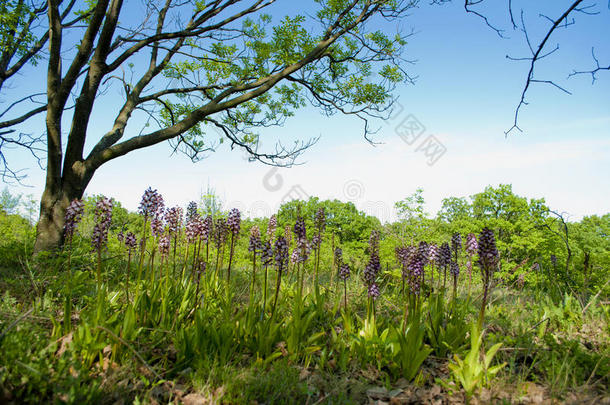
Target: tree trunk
{"points": [[49, 230], [50, 227], [59, 191]]}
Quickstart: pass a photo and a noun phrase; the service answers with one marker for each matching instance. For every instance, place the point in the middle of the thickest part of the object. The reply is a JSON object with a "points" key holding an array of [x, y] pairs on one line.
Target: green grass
{"points": [[165, 343]]}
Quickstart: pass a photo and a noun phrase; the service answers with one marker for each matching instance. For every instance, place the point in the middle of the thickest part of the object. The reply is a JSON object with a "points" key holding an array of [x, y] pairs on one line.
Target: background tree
{"points": [[592, 241], [210, 203], [411, 212], [454, 209], [9, 203], [343, 219]]}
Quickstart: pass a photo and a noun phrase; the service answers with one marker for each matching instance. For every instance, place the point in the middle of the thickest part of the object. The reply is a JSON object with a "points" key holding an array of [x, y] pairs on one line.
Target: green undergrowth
{"points": [[161, 347]]}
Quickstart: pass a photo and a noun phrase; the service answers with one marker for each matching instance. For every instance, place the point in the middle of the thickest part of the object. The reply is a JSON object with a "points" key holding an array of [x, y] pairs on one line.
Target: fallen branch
{"points": [[595, 297]]}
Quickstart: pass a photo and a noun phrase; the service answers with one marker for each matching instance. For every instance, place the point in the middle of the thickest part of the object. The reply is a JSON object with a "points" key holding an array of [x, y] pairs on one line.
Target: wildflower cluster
{"points": [[103, 218], [191, 210], [193, 228], [422, 252], [455, 269], [206, 227], [471, 249], [373, 266], [416, 270], [288, 234], [273, 252], [74, 214], [303, 250], [456, 242], [173, 217], [320, 225], [220, 232], [471, 244], [488, 253], [303, 247], [432, 253], [234, 221], [300, 231], [281, 254], [164, 245], [255, 240], [402, 255], [151, 203], [271, 227], [489, 258], [338, 256], [266, 253], [156, 226], [344, 271], [373, 291], [443, 257], [130, 241]]}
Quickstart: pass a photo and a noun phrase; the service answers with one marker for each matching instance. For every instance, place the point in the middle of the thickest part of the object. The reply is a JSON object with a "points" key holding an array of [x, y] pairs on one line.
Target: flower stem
{"points": [[230, 258], [277, 291], [142, 250], [127, 275], [265, 290]]}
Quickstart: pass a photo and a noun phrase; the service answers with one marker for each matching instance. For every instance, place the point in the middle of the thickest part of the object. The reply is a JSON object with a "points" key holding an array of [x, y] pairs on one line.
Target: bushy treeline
{"points": [[536, 244]]}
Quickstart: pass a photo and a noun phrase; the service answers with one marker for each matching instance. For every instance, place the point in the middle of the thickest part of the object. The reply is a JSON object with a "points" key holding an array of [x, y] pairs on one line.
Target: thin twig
{"points": [[15, 322]]}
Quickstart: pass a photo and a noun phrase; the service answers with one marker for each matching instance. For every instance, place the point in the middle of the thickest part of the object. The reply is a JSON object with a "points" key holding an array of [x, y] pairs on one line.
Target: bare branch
{"points": [[35, 145], [470, 3], [535, 57], [21, 100], [328, 105], [282, 157], [591, 72], [552, 84], [510, 12]]}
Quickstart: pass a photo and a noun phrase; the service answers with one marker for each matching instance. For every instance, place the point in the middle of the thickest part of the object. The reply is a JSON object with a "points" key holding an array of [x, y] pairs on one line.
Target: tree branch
{"points": [[470, 3], [248, 92], [592, 72], [536, 56], [22, 141]]}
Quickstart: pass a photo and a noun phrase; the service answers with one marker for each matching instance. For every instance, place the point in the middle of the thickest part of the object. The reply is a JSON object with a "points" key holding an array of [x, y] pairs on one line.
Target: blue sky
{"points": [[465, 97]]}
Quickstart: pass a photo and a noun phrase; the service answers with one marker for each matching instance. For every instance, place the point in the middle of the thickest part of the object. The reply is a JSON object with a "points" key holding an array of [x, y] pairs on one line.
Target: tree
{"points": [[343, 219], [591, 237], [410, 210], [210, 203], [189, 67], [411, 207], [454, 208], [9, 203]]}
